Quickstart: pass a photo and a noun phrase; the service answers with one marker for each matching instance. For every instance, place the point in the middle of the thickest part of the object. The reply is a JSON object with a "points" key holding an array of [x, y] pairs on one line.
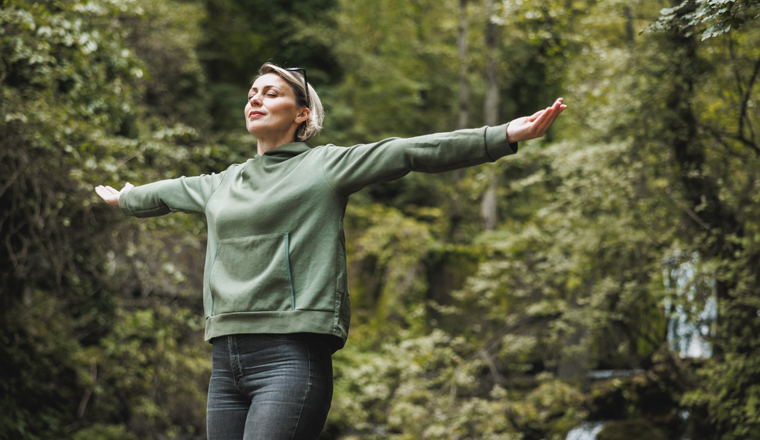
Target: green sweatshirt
{"points": [[276, 255]]}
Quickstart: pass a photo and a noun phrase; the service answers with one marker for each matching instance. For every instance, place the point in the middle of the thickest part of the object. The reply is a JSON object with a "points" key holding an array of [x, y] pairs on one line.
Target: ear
{"points": [[302, 115]]}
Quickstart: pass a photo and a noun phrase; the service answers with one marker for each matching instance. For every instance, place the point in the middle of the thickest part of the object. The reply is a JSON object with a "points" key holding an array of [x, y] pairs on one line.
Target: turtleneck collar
{"points": [[286, 151]]}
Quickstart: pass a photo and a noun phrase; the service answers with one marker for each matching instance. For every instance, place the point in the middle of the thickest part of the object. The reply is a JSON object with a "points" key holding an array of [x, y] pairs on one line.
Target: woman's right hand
{"points": [[532, 127], [111, 195]]}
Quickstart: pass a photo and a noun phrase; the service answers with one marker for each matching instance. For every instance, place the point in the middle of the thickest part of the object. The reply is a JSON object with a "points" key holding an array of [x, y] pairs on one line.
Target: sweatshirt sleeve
{"points": [[351, 169], [184, 194]]}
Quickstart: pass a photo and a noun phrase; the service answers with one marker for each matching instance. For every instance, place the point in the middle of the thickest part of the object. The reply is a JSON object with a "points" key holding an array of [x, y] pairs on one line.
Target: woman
{"points": [[275, 293]]}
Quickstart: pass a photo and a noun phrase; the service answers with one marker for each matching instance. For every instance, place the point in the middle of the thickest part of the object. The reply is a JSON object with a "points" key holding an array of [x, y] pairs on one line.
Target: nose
{"points": [[255, 99]]}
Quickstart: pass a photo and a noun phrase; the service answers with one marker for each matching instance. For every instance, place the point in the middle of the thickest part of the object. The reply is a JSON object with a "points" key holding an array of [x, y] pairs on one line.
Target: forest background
{"points": [[515, 300]]}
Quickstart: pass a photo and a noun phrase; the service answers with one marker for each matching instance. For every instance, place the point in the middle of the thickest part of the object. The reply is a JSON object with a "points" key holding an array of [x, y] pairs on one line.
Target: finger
{"points": [[555, 113], [535, 115], [557, 109], [540, 112], [541, 121], [545, 123], [541, 129]]}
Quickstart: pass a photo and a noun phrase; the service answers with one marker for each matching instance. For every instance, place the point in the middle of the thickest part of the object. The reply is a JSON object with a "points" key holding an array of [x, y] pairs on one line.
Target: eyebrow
{"points": [[268, 86]]}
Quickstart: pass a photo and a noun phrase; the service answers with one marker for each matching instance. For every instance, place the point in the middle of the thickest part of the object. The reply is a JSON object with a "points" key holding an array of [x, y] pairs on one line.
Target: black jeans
{"points": [[269, 387]]}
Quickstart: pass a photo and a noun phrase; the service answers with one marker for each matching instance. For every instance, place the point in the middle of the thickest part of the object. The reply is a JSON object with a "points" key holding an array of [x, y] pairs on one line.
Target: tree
{"points": [[690, 16], [90, 346]]}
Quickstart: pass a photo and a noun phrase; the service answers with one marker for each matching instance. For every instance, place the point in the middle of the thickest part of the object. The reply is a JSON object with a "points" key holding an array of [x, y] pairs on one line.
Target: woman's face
{"points": [[271, 110]]}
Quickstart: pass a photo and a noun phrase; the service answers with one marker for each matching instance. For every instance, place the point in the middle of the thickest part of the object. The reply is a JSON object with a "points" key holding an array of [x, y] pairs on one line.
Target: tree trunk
{"points": [[629, 33], [699, 190], [488, 204], [491, 114], [464, 86], [464, 114], [491, 105]]}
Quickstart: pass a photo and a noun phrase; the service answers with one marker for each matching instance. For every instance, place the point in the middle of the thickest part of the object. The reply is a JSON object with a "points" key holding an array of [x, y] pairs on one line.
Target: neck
{"points": [[266, 143]]}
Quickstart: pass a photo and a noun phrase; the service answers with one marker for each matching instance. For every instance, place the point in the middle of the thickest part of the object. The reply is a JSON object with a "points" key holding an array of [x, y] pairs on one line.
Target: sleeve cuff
{"points": [[497, 144], [123, 202]]}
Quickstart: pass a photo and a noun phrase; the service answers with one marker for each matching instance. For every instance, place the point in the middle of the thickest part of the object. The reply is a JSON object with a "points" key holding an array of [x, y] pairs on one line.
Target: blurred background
{"points": [[602, 283]]}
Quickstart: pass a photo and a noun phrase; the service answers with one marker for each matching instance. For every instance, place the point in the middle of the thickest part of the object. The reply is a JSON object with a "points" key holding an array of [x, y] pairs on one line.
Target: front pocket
{"points": [[252, 274]]}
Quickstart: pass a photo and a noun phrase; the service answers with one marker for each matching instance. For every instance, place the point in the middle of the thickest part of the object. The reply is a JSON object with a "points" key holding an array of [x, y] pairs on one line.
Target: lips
{"points": [[254, 114]]}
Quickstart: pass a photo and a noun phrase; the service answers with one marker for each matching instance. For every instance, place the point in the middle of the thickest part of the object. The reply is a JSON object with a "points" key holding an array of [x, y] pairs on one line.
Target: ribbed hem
{"points": [[297, 321], [497, 144]]}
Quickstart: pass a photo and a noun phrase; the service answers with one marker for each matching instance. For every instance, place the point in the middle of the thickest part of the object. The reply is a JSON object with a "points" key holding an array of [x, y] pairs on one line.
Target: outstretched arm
{"points": [[531, 127], [350, 169], [183, 194], [111, 195]]}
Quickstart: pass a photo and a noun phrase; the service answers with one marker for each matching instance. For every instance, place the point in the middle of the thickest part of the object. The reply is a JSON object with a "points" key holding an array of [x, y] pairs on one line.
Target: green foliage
{"points": [[432, 387], [385, 50], [396, 246], [574, 278], [73, 114], [146, 363], [240, 36], [456, 333], [720, 16]]}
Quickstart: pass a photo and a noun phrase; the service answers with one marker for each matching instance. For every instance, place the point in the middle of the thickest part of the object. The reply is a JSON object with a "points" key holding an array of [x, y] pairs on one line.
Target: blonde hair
{"points": [[312, 126]]}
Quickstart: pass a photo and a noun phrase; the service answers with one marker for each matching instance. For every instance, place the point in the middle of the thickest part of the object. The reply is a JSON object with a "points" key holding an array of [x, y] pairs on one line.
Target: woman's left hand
{"points": [[532, 127], [111, 195]]}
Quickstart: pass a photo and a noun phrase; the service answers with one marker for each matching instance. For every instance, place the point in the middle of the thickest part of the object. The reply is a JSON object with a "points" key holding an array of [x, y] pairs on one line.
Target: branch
{"points": [[720, 138], [688, 210], [15, 176], [732, 54], [743, 113], [749, 144], [489, 345], [491, 366], [132, 155]]}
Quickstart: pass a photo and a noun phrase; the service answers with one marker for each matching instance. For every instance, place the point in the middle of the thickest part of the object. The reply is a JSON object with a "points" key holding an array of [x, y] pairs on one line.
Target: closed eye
{"points": [[269, 95]]}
